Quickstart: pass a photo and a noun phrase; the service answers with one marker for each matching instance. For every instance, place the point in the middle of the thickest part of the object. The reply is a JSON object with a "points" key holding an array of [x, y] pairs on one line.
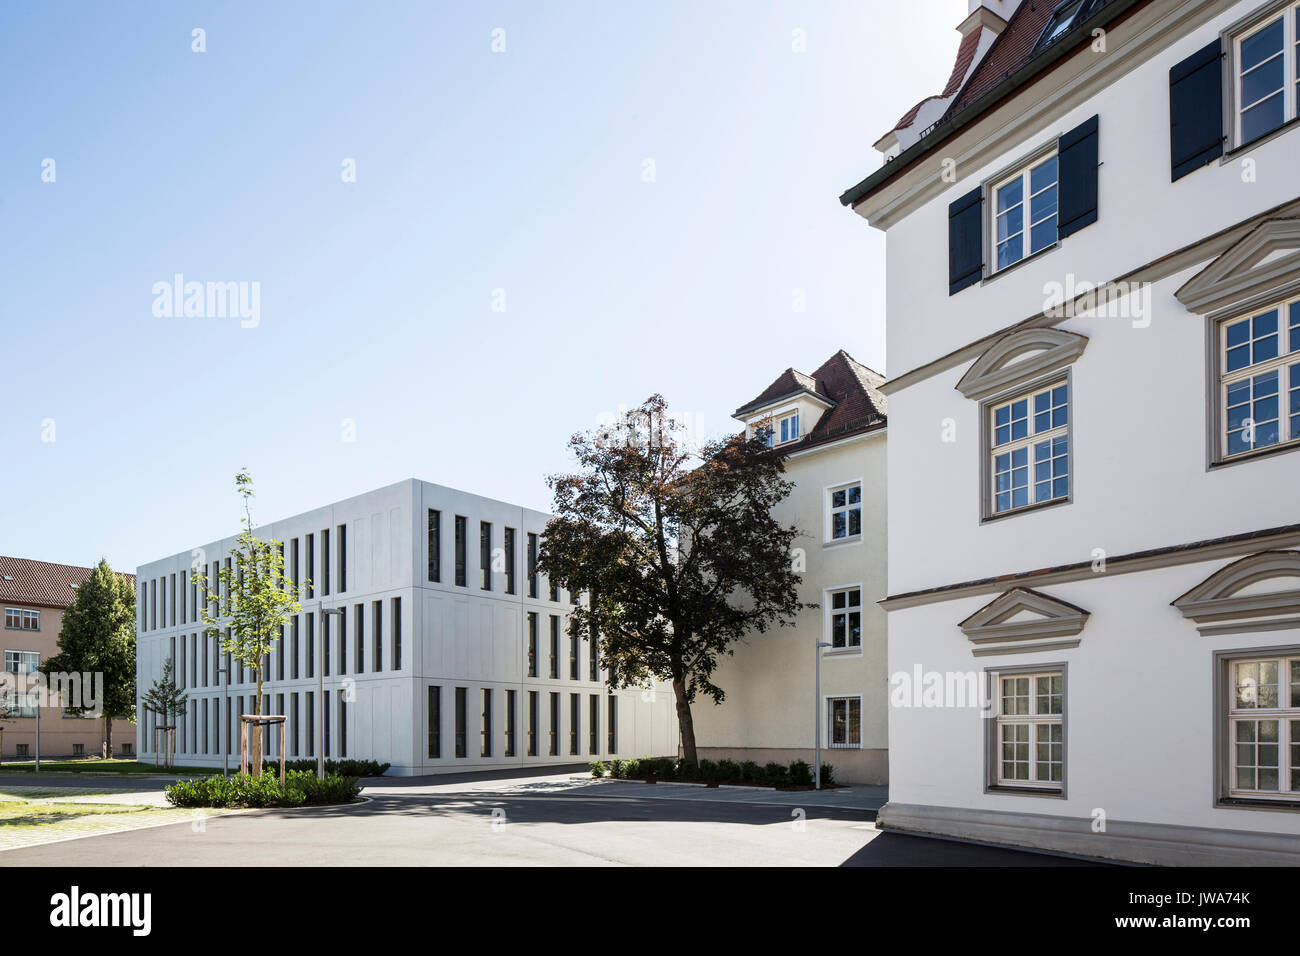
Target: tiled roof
{"points": [[23, 581], [855, 389], [1011, 49], [787, 383]]}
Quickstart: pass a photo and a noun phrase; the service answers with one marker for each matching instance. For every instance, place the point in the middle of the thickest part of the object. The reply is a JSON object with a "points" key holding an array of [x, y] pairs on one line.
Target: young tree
{"points": [[165, 699], [259, 598], [676, 550], [98, 637]]}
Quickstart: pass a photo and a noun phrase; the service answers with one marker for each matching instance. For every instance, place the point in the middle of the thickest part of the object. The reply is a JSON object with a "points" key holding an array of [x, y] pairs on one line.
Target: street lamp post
{"points": [[320, 689], [817, 718], [223, 670]]}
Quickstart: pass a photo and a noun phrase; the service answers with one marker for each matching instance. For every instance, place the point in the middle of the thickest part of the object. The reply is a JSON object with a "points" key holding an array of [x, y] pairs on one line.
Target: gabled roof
{"points": [[851, 388], [1012, 48], [965, 54], [23, 581]]}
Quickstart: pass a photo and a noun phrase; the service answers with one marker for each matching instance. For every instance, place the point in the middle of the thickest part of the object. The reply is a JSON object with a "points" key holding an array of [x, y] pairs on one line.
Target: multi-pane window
{"points": [[460, 551], [782, 430], [844, 722], [1030, 728], [1030, 456], [22, 662], [1260, 380], [846, 511], [1024, 220], [485, 555], [21, 619], [509, 543], [1263, 731], [1267, 75], [846, 618], [435, 545], [435, 721]]}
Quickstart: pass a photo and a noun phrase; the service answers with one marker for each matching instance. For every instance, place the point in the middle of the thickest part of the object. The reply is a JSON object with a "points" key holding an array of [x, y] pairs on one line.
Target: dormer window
{"points": [[1065, 16], [787, 428]]}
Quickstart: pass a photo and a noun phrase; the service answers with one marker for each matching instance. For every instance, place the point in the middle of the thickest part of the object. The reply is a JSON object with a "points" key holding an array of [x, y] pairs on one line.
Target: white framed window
{"points": [[844, 512], [1266, 74], [22, 619], [1029, 730], [1262, 736], [844, 618], [1029, 454], [785, 428], [1024, 216], [1259, 381], [844, 722], [22, 662]]}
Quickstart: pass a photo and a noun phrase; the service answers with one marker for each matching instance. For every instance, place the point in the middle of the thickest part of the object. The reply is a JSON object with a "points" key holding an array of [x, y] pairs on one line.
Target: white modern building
{"points": [[451, 653], [1094, 521], [829, 427]]}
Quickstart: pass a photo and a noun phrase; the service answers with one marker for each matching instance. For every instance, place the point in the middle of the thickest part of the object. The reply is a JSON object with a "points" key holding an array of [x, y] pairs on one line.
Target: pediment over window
{"points": [[1265, 265], [1022, 620], [1257, 593], [1018, 359]]}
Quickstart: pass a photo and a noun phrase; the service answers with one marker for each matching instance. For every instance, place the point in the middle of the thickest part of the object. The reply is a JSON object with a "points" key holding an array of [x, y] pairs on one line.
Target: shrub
{"points": [[728, 771], [776, 775], [618, 769], [801, 774], [687, 770], [300, 787], [341, 768], [708, 770], [828, 774], [597, 769], [632, 769], [661, 768], [751, 772]]}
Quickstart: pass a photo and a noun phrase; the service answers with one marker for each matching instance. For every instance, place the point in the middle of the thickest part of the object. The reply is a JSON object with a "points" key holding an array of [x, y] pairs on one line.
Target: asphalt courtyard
{"points": [[555, 819]]}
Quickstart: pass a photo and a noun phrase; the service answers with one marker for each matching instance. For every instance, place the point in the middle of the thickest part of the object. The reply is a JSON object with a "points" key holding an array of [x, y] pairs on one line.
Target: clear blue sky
{"points": [[476, 171]]}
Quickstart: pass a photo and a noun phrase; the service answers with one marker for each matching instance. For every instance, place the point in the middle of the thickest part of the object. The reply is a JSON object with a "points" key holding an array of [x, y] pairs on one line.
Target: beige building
{"points": [[34, 595], [830, 426]]}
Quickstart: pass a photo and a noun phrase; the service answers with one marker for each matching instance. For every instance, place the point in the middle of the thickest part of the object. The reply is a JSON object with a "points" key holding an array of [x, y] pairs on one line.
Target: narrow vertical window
{"points": [[359, 616], [310, 698], [532, 565], [612, 728], [485, 747], [593, 725], [311, 565], [397, 633], [435, 722], [297, 656], [460, 722], [343, 558], [485, 555], [325, 643], [575, 722], [309, 663], [532, 723], [343, 641], [555, 647], [435, 545], [593, 662], [325, 727], [532, 644], [510, 560], [343, 725], [510, 723], [377, 625], [555, 725], [325, 561], [573, 654], [293, 725], [460, 551]]}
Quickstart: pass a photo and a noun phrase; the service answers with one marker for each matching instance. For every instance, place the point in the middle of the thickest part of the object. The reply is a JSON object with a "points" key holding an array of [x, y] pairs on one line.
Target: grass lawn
{"points": [[94, 765], [47, 815]]}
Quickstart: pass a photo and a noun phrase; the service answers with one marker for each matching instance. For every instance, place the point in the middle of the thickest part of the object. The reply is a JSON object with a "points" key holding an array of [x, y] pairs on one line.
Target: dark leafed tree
{"points": [[98, 636], [675, 548]]}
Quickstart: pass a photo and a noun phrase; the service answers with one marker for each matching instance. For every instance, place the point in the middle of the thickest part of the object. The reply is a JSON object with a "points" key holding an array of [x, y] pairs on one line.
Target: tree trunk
{"points": [[257, 728], [686, 726], [108, 736]]}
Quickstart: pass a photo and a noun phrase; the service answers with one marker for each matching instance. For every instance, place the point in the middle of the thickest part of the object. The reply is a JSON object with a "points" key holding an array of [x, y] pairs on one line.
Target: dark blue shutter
{"points": [[1196, 111], [1077, 168], [965, 241]]}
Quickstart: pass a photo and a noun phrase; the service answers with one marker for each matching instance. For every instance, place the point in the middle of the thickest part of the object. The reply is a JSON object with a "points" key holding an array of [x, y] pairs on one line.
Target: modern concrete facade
{"points": [[833, 426], [1092, 508], [449, 655], [34, 595]]}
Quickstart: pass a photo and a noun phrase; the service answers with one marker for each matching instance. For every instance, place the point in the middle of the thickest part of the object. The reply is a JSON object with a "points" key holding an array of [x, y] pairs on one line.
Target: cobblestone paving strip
{"points": [[31, 816]]}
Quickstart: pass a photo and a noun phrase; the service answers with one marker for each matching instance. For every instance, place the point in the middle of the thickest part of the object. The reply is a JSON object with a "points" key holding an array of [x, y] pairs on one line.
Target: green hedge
{"points": [[341, 768], [300, 787], [797, 773]]}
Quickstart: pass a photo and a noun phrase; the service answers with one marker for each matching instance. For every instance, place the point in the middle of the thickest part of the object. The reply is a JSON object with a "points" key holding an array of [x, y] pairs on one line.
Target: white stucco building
{"points": [[830, 428], [1093, 518], [450, 654]]}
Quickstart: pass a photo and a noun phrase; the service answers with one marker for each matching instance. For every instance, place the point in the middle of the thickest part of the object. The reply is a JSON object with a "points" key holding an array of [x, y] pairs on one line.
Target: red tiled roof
{"points": [[855, 390], [1011, 49], [23, 581], [787, 383]]}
